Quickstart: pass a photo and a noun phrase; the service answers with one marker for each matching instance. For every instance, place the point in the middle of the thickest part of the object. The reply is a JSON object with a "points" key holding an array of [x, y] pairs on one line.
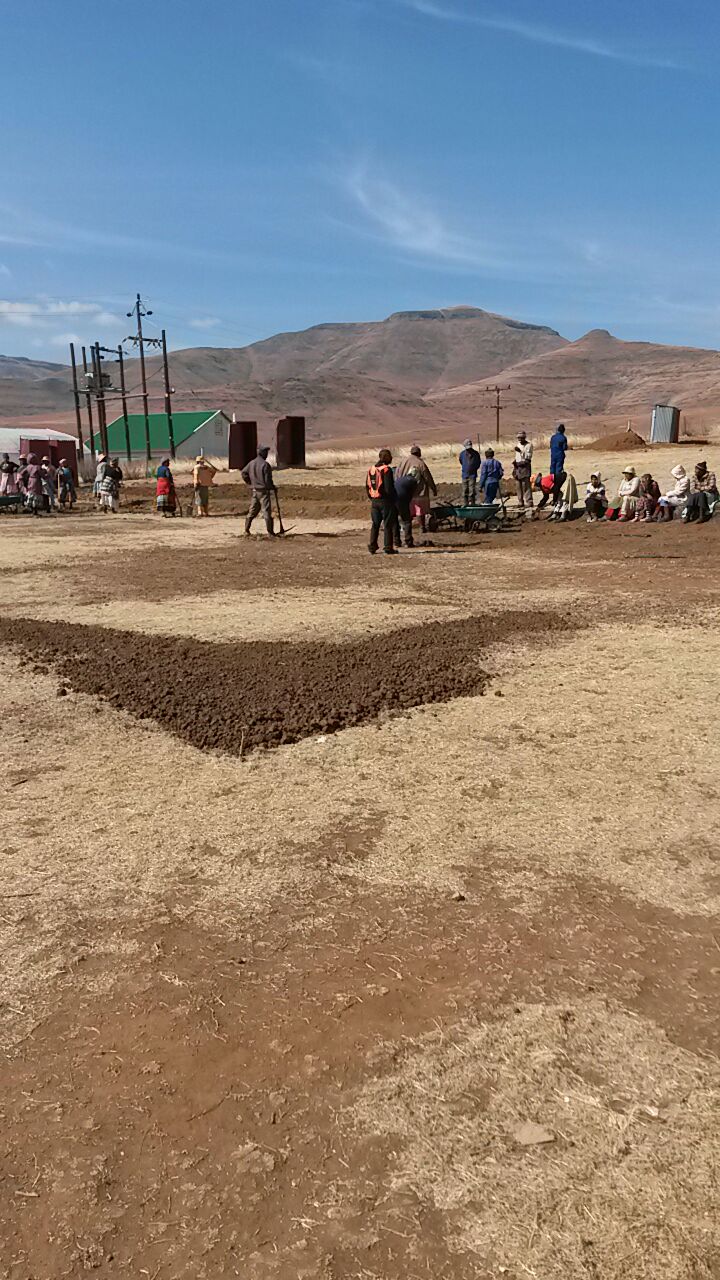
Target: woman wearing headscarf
{"points": [[49, 472], [31, 478], [66, 484], [110, 486], [628, 493], [165, 495], [203, 475], [8, 475], [102, 463], [675, 497], [648, 496]]}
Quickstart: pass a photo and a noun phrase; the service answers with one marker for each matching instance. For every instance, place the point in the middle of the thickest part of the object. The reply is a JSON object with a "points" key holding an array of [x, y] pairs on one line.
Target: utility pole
{"points": [[88, 394], [168, 394], [139, 310], [123, 396], [499, 406], [76, 394], [100, 396]]}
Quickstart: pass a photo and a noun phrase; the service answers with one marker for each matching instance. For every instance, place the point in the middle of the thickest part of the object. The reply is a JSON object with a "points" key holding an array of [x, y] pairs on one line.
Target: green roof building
{"points": [[204, 431]]}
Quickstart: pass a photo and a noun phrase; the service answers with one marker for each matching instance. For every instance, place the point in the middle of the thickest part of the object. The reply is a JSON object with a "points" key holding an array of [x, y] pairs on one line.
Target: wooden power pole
{"points": [[139, 311], [499, 406]]}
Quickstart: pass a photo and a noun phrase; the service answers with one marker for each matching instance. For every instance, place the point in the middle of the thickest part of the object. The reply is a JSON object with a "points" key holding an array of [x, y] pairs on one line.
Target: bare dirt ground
{"points": [[358, 917]]}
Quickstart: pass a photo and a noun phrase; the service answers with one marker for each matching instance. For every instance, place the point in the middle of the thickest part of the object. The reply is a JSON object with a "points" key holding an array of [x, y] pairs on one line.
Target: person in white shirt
{"points": [[522, 473], [628, 492], [675, 497]]}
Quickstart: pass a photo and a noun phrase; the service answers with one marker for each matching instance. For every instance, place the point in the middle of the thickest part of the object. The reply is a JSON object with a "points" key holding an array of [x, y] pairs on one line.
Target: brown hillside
{"points": [[600, 374], [419, 372]]}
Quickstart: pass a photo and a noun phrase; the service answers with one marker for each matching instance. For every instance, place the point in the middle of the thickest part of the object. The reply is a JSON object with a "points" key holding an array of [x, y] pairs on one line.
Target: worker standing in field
{"points": [[416, 465], [522, 473], [469, 461], [8, 475], [491, 473], [558, 448], [165, 495], [203, 475], [380, 487], [66, 485], [258, 474]]}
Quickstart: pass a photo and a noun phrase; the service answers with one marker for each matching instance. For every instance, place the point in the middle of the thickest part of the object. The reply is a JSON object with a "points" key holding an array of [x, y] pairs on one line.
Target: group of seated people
{"points": [[638, 499]]}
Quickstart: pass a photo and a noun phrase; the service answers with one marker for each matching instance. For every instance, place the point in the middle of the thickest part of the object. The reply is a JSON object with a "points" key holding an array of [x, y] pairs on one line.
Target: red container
{"points": [[242, 444], [54, 450], [290, 447]]}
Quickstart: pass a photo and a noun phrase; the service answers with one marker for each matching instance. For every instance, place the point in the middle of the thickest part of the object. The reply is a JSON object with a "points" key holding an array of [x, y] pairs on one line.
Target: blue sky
{"points": [[253, 166]]}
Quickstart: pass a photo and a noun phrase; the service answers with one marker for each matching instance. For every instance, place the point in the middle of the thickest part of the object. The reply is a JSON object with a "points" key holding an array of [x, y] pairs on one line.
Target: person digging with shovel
{"points": [[258, 475]]}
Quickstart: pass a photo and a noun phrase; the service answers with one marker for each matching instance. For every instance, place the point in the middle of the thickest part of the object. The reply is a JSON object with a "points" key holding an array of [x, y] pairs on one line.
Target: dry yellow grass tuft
{"points": [[620, 1184]]}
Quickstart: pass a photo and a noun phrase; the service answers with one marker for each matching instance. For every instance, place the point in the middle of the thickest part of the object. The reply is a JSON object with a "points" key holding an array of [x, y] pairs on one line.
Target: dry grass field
{"points": [[358, 916]]}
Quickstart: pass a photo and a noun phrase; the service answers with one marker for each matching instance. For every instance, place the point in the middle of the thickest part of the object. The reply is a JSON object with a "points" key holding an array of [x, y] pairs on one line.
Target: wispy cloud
{"points": [[407, 222], [539, 34], [204, 322], [27, 314]]}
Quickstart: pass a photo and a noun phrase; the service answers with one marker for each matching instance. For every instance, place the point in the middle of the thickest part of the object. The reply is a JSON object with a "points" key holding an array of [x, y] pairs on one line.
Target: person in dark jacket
{"points": [[380, 486], [469, 461], [258, 474], [491, 473], [405, 489], [558, 448]]}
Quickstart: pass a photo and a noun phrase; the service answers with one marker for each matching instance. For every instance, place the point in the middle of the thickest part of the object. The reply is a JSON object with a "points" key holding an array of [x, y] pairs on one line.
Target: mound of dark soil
{"points": [[617, 442], [237, 697]]}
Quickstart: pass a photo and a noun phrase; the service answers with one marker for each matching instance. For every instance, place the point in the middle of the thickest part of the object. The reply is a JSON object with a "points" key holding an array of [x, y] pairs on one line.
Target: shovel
{"points": [[277, 504]]}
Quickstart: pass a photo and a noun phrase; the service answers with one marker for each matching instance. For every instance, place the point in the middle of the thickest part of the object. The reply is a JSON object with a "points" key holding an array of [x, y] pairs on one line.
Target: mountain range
{"points": [[417, 372]]}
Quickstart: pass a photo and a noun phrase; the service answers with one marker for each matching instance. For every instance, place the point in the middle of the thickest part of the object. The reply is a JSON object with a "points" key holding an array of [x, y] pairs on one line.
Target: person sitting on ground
{"points": [[628, 493], [8, 476], [258, 475], [567, 497], [676, 497], [595, 499], [203, 475], [522, 474], [66, 484], [110, 486], [416, 464], [558, 448], [469, 461], [165, 495], [380, 488], [491, 473], [703, 495], [647, 500]]}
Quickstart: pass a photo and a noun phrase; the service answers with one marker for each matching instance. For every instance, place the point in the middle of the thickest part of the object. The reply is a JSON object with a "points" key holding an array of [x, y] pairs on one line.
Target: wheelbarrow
{"points": [[483, 517], [11, 502]]}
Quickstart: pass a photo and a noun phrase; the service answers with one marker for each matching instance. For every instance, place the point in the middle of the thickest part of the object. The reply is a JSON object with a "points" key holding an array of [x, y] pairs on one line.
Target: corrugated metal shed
{"points": [[207, 426], [665, 428]]}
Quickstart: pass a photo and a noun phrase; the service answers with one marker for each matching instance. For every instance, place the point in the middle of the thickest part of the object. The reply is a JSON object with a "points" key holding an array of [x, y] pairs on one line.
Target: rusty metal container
{"points": [[242, 444], [290, 442]]}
